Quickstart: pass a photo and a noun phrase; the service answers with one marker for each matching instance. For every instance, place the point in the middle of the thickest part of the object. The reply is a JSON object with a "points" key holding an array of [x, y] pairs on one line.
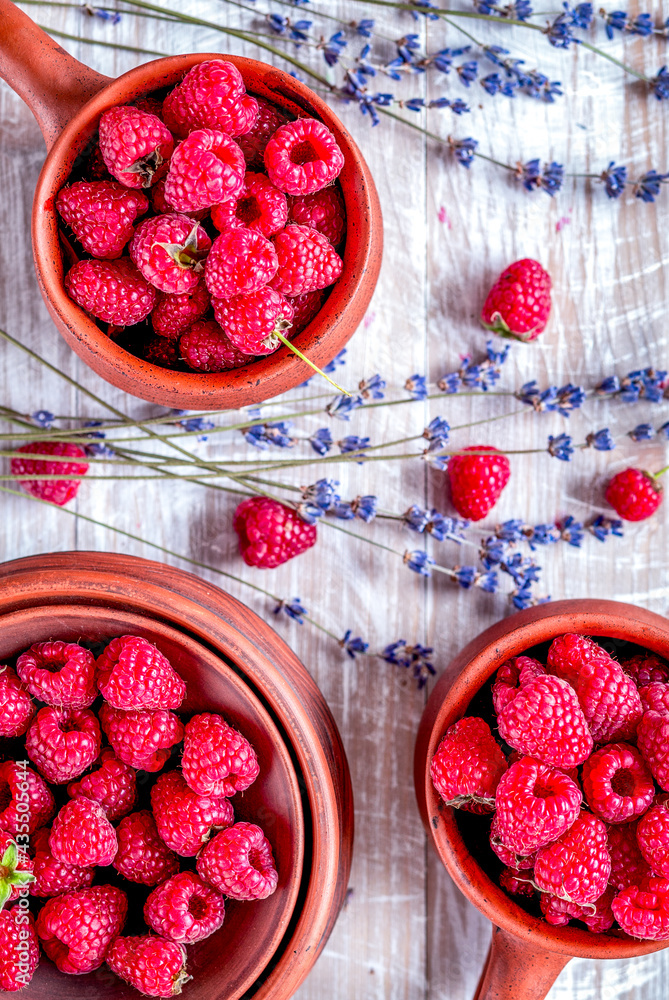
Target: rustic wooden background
{"points": [[406, 931]]}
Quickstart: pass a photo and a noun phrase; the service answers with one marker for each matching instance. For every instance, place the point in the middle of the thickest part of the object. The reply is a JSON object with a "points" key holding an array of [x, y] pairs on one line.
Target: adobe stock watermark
{"points": [[18, 879]]}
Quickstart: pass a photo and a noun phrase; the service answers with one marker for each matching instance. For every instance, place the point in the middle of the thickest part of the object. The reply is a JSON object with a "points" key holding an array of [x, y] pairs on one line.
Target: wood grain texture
{"points": [[407, 932]]}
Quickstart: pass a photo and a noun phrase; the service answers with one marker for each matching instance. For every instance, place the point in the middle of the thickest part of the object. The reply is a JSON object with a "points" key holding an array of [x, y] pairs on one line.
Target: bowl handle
{"points": [[53, 83], [518, 970]]}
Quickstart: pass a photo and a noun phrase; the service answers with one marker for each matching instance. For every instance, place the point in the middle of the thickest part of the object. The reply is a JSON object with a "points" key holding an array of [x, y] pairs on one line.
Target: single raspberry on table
{"points": [[82, 835], [58, 491], [141, 739], [134, 674], [535, 804], [169, 251], [161, 352], [154, 966], [617, 783], [519, 303], [260, 206], [206, 347], [307, 261], [655, 697], [653, 743], [175, 313], [628, 865], [63, 742], [323, 211], [185, 820], [240, 261], [303, 156], [142, 856], [59, 673], [207, 97], [468, 765], [54, 877], [270, 533], [545, 721], [77, 928], [101, 214], [652, 834], [646, 668], [217, 760], [113, 291], [511, 677], [515, 862], [16, 706], [254, 142], [239, 862], [135, 145], [206, 169], [512, 881], [19, 949], [477, 481], [577, 865], [634, 494], [26, 802], [185, 909], [597, 916], [113, 785], [643, 910], [252, 321], [16, 869], [306, 307]]}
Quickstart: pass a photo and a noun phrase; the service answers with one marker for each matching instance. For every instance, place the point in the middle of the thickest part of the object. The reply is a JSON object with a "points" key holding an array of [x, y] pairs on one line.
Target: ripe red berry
{"points": [[206, 169], [185, 909], [206, 98], [135, 145], [617, 783], [153, 965], [652, 834], [305, 308], [535, 804], [634, 494], [303, 157], [270, 533], [307, 261], [577, 865], [217, 760], [513, 882], [113, 785], [27, 800], [205, 347], [59, 673], [54, 877], [239, 863], [101, 214], [568, 654], [514, 861], [58, 491], [82, 835], [253, 142], [324, 211], [240, 261], [653, 742], [175, 313], [628, 865], [260, 206], [655, 697], [111, 290], [645, 669], [511, 677], [19, 949], [477, 481], [598, 916], [252, 321], [63, 742], [467, 766], [169, 251], [16, 706], [161, 352], [185, 820], [141, 739], [134, 674], [76, 929], [643, 910], [142, 856], [545, 720], [519, 303]]}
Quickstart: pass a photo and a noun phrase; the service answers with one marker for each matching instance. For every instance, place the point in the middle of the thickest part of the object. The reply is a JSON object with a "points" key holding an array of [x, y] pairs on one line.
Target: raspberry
{"points": [[240, 261], [16, 869], [185, 909], [206, 348], [646, 668], [519, 303], [653, 742], [217, 760], [16, 706], [19, 949], [23, 809], [467, 766], [169, 251], [307, 261], [113, 785], [628, 865], [303, 157], [238, 862], [323, 211], [133, 674], [477, 481], [655, 697], [305, 308], [634, 494], [82, 835], [569, 653], [206, 169], [545, 720], [151, 964], [135, 145], [175, 313], [535, 805], [76, 929], [514, 884], [643, 910], [652, 834], [58, 491], [63, 742], [59, 673], [558, 912], [141, 739], [53, 877], [617, 784], [271, 533], [162, 352], [577, 865], [111, 290], [515, 862], [142, 856], [254, 142], [511, 677], [252, 321], [101, 215], [207, 97], [260, 206], [185, 820]]}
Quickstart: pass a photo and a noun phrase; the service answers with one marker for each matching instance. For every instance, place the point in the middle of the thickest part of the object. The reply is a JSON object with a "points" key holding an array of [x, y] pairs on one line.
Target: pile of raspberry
{"points": [[570, 791], [204, 224], [83, 837]]}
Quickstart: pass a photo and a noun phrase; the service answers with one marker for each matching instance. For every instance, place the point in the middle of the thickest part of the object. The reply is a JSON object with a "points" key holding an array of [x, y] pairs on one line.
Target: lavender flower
{"points": [[572, 531], [609, 387], [664, 429], [549, 180], [648, 187], [342, 406], [333, 47], [561, 447], [423, 8], [372, 388], [563, 400], [353, 443], [43, 418], [364, 27], [468, 576], [464, 150], [354, 646], [323, 494], [418, 561], [336, 362], [97, 448], [263, 435], [321, 441], [293, 609], [415, 658], [416, 385], [615, 20], [543, 534], [510, 531], [442, 527], [363, 508], [492, 551], [641, 25], [494, 84], [604, 526], [601, 440], [112, 16], [660, 84], [614, 178], [297, 30], [642, 432]]}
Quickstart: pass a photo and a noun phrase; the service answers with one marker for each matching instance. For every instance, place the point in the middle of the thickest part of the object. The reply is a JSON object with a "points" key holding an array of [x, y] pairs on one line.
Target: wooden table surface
{"points": [[406, 931]]}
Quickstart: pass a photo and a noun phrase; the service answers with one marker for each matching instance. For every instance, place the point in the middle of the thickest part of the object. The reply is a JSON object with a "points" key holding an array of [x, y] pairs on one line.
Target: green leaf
{"points": [[5, 892], [11, 857]]}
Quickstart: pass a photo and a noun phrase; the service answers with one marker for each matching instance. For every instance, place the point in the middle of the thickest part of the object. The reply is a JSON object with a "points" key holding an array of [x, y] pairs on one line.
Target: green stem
{"points": [[303, 357]]}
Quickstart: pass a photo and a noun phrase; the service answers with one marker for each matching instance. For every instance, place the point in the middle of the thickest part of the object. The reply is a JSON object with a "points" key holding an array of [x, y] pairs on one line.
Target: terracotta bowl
{"points": [[233, 663], [526, 954], [67, 99]]}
